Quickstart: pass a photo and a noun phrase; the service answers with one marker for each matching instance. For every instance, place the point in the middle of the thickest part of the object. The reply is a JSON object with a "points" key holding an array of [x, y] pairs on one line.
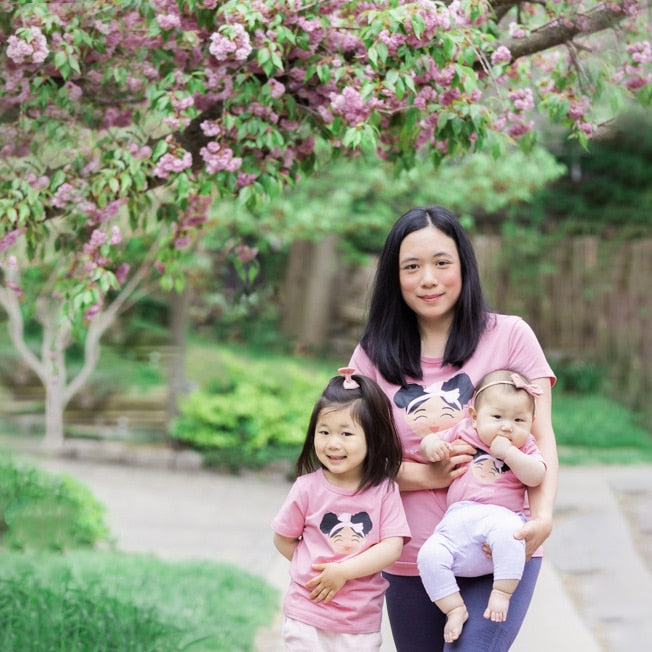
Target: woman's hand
{"points": [[535, 532]]}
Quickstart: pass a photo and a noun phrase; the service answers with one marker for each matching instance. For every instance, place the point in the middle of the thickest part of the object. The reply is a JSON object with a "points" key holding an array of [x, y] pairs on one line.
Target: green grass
{"points": [[596, 430], [90, 601]]}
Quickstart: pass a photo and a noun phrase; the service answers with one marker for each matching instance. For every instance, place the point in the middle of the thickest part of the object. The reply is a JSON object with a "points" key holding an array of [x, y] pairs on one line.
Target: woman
{"points": [[429, 327]]}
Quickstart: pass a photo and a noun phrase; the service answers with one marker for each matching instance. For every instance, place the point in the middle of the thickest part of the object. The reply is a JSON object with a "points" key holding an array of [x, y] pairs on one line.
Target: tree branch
{"points": [[562, 31], [104, 319], [9, 302]]}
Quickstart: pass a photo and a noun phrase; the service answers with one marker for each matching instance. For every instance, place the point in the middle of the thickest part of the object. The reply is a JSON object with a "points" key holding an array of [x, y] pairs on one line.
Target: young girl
{"points": [[342, 521], [486, 503]]}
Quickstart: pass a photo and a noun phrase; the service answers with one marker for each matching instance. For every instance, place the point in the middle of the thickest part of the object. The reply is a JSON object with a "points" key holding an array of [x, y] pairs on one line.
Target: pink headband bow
{"points": [[531, 389], [516, 381], [349, 383]]}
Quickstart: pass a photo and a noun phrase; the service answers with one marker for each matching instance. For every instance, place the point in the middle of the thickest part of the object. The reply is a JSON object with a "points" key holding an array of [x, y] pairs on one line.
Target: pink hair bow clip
{"points": [[519, 383], [347, 372]]}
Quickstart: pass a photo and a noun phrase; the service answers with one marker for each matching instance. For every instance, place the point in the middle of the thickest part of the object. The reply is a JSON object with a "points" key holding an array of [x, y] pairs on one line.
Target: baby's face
{"points": [[507, 415]]}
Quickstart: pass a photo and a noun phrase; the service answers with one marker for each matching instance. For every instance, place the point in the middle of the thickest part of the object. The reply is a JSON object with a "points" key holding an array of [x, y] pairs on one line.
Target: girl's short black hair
{"points": [[391, 337], [371, 408]]}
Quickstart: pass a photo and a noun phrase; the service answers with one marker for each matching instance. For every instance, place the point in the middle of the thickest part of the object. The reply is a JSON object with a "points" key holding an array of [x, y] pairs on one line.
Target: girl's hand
{"points": [[535, 532], [327, 583]]}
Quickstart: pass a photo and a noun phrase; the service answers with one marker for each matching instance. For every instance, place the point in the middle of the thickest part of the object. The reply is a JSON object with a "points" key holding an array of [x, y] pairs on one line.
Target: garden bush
{"points": [[576, 376], [46, 511], [254, 410]]}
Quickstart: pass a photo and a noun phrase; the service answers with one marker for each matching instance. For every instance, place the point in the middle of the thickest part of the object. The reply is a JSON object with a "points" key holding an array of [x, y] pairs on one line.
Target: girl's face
{"points": [[341, 446], [509, 415], [430, 274]]}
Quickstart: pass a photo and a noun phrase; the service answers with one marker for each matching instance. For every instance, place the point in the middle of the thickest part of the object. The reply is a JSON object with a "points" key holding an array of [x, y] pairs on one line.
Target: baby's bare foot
{"points": [[455, 620], [498, 606]]}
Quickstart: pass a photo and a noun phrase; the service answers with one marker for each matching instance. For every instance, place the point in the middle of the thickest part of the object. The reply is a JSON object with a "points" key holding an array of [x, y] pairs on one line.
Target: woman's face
{"points": [[430, 274]]}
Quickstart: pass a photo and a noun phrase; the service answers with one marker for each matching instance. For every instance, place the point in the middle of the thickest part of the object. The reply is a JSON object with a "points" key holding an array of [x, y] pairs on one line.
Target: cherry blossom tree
{"points": [[123, 117]]}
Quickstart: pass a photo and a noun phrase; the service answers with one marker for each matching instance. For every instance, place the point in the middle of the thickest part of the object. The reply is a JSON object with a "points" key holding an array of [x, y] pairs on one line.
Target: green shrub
{"points": [[253, 411], [579, 377], [44, 511], [592, 429]]}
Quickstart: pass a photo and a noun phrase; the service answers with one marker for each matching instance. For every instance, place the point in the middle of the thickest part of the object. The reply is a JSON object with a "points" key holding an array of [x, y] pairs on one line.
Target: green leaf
{"points": [[324, 73], [418, 25]]}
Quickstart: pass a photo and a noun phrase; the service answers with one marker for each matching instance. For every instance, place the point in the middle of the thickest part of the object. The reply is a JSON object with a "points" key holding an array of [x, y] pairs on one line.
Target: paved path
{"points": [[594, 592]]}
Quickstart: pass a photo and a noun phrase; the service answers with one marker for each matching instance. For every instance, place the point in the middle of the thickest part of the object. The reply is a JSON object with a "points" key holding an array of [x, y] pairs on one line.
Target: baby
{"points": [[485, 504]]}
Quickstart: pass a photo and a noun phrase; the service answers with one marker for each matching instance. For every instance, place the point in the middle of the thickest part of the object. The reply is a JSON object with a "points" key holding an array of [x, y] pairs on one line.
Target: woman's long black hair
{"points": [[391, 337], [371, 408]]}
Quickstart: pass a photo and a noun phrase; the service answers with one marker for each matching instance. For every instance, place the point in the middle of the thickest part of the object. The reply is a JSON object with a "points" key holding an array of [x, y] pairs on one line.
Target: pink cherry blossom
{"points": [[31, 46], [501, 55]]}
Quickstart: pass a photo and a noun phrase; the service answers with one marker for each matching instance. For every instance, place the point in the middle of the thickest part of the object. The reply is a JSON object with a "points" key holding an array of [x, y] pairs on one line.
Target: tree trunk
{"points": [[308, 291], [54, 407], [179, 305]]}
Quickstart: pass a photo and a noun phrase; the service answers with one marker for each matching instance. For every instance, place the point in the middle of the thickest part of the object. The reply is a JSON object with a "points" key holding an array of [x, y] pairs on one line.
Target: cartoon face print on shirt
{"points": [[487, 469], [347, 532], [436, 407]]}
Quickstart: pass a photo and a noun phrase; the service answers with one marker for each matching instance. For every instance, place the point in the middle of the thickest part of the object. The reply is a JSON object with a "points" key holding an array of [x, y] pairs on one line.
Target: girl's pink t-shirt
{"points": [[439, 400], [335, 524]]}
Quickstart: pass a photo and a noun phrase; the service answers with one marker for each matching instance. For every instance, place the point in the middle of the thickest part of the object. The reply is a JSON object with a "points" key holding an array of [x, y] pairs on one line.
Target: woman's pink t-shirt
{"points": [[439, 401]]}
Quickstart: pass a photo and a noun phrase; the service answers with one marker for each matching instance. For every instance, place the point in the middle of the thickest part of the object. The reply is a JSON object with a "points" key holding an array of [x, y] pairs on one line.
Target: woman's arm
{"points": [[334, 575], [542, 498]]}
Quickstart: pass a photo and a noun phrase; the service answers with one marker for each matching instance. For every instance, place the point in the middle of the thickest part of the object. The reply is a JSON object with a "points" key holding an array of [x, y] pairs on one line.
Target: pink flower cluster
{"points": [[351, 105], [168, 21], [276, 89], [95, 258], [95, 309], [31, 48], [219, 158], [102, 214], [64, 195], [169, 163], [517, 31], [501, 55], [9, 239], [245, 253], [636, 74], [514, 122], [239, 45], [38, 183], [186, 228], [139, 152]]}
